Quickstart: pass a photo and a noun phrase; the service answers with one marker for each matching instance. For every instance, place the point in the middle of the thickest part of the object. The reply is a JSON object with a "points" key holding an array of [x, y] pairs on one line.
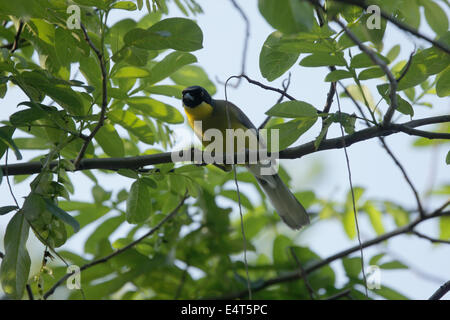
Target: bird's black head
{"points": [[195, 95]]}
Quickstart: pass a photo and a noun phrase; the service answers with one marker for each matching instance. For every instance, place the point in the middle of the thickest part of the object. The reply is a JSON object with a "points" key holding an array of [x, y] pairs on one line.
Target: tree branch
{"points": [[15, 44], [104, 105], [266, 87], [392, 80], [441, 291], [289, 153], [433, 240], [286, 83], [399, 24], [119, 251], [292, 276]]}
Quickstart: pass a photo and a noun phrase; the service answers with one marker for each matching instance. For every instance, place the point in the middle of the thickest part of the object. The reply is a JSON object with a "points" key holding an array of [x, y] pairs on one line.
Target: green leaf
{"points": [[404, 106], [447, 159], [348, 221], [175, 33], [156, 109], [109, 140], [393, 53], [125, 5], [288, 16], [443, 83], [346, 120], [16, 262], [139, 206], [27, 116], [352, 266], [393, 265], [375, 217], [6, 141], [400, 215], [411, 13], [103, 231], [356, 93], [133, 124], [61, 214], [293, 109], [322, 59], [338, 75], [167, 66], [374, 260], [128, 173], [131, 72], [272, 62], [444, 228], [370, 73], [424, 64], [231, 194], [436, 17], [289, 132], [280, 251], [362, 60], [188, 75], [92, 3], [7, 209], [390, 294], [166, 90]]}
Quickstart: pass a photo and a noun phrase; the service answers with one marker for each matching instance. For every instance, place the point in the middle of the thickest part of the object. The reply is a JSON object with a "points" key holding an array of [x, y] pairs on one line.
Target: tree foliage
{"points": [[95, 92]]}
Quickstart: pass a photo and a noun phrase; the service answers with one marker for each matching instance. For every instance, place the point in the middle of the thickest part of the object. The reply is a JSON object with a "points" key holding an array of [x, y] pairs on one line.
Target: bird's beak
{"points": [[188, 97]]}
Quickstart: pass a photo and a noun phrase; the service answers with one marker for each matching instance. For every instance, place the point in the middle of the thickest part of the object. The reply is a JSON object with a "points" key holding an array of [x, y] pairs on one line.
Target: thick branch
{"points": [[119, 251], [441, 291], [289, 153]]}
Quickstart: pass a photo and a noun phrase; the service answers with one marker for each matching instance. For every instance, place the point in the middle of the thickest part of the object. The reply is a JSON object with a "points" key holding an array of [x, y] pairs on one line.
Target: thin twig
{"points": [[293, 276], [355, 214], [392, 80], [246, 41], [405, 175], [285, 84], [303, 274], [406, 68], [7, 179], [441, 291], [249, 288], [344, 293], [259, 84], [182, 281], [15, 45], [29, 292], [104, 105], [119, 251], [433, 240], [400, 25]]}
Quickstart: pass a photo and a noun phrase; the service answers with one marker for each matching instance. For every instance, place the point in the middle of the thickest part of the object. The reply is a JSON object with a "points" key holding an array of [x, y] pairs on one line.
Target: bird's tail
{"points": [[285, 203]]}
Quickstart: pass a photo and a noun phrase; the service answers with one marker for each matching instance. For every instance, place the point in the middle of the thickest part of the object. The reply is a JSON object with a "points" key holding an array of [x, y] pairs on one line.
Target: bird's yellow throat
{"points": [[200, 112]]}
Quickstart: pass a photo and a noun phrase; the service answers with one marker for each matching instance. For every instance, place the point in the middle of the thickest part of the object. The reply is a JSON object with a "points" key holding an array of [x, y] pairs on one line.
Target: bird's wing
{"points": [[238, 113]]}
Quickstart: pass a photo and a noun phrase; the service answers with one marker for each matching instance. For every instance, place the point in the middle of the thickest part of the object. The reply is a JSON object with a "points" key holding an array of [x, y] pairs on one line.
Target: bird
{"points": [[220, 114]]}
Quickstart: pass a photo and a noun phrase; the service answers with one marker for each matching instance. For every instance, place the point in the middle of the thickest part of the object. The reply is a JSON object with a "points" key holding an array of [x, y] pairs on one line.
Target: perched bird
{"points": [[199, 106]]}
